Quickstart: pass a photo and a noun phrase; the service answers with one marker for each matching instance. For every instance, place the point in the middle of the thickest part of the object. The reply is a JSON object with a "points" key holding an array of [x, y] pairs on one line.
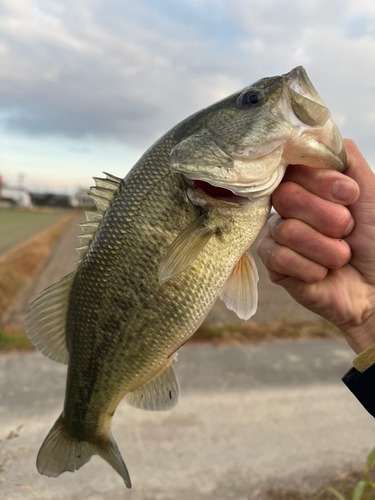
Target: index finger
{"points": [[327, 184]]}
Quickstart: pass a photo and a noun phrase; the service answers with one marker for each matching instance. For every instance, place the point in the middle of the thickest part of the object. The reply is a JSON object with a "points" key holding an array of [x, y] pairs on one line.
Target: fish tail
{"points": [[61, 453]]}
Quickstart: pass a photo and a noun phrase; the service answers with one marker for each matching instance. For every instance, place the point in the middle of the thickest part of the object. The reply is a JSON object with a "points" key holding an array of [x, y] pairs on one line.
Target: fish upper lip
{"points": [[246, 191]]}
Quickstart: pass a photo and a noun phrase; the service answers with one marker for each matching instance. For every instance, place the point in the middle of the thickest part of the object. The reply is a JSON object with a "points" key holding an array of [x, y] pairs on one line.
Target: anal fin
{"points": [[159, 394], [241, 291]]}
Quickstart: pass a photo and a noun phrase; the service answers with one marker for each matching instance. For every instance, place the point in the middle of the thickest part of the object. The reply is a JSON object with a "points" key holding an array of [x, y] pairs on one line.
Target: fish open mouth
{"points": [[236, 193], [218, 193]]}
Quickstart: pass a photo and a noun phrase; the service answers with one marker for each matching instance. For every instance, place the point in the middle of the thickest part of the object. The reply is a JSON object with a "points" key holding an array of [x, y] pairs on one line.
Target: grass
{"points": [[22, 262], [251, 332], [15, 341], [356, 483], [18, 225], [246, 333]]}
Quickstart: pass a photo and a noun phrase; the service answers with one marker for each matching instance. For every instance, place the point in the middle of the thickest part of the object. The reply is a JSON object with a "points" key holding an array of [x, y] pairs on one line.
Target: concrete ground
{"points": [[248, 416]]}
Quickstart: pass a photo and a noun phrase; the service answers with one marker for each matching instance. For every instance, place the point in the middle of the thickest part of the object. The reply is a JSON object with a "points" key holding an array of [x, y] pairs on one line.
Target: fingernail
{"points": [[274, 222], [345, 190], [350, 227]]}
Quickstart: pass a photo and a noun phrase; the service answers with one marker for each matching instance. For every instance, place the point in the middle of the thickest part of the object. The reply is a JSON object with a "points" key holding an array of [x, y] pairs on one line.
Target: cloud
{"points": [[70, 73], [129, 71]]}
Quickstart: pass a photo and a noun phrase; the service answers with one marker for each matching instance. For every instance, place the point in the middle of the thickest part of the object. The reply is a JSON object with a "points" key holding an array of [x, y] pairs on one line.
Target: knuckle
{"points": [[284, 196], [318, 273], [290, 232], [276, 277], [283, 260]]}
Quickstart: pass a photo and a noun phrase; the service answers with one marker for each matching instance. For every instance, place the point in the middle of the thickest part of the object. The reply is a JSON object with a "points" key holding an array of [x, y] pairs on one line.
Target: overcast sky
{"points": [[88, 85]]}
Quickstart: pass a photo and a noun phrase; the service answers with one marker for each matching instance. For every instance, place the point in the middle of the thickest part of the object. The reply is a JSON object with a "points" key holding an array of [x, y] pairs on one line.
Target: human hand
{"points": [[321, 248]]}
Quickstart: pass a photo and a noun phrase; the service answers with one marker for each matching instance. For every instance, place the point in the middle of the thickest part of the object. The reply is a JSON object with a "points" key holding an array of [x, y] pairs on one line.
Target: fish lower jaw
{"points": [[311, 150]]}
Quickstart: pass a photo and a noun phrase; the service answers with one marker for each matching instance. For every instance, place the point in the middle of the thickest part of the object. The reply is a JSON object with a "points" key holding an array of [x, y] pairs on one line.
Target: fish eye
{"points": [[251, 98]]}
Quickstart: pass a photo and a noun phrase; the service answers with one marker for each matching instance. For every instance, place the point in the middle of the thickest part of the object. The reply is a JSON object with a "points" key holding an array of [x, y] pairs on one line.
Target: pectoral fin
{"points": [[160, 394], [185, 249], [241, 292]]}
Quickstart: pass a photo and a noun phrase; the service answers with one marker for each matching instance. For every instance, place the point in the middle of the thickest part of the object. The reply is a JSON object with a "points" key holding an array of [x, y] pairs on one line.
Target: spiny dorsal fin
{"points": [[159, 394], [46, 320], [102, 193], [113, 178], [185, 249], [107, 184], [241, 292], [94, 216]]}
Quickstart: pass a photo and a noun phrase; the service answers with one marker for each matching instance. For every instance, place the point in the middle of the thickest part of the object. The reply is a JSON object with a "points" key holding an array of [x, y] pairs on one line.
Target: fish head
{"points": [[248, 139]]}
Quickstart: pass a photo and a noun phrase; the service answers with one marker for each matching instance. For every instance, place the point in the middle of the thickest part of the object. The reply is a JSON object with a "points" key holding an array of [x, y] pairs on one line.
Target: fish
{"points": [[163, 244]]}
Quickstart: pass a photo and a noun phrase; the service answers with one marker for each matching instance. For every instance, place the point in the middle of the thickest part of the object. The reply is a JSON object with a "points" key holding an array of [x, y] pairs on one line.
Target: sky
{"points": [[87, 86]]}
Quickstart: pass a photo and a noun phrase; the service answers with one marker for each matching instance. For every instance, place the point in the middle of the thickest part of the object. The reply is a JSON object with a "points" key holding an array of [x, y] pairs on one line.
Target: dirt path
{"points": [[59, 263]]}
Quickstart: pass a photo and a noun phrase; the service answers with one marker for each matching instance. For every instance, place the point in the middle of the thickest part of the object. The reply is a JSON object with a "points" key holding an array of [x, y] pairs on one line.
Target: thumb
{"points": [[359, 170], [362, 239]]}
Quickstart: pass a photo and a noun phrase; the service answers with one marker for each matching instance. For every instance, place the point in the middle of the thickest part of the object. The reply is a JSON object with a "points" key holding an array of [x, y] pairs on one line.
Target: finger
{"points": [[327, 184], [292, 201], [281, 261], [331, 253]]}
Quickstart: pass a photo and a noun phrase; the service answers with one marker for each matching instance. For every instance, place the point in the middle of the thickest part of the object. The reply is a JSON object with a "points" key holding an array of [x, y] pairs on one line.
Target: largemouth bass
{"points": [[163, 245]]}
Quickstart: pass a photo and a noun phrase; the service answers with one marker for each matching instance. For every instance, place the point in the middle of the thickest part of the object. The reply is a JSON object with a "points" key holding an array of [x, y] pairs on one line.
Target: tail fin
{"points": [[62, 453]]}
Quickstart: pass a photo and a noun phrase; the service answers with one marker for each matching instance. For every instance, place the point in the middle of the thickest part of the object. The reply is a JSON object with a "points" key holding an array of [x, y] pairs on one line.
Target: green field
{"points": [[17, 226]]}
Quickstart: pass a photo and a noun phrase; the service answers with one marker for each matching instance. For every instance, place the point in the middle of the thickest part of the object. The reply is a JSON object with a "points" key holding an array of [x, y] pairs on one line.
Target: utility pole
{"points": [[21, 178]]}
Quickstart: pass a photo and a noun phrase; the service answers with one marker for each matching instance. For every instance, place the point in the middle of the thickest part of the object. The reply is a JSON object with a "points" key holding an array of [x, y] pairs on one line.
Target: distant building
{"points": [[51, 200], [14, 197], [82, 199]]}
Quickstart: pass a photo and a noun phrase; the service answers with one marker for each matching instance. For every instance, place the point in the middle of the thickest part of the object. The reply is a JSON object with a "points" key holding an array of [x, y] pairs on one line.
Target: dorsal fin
{"points": [[102, 193]]}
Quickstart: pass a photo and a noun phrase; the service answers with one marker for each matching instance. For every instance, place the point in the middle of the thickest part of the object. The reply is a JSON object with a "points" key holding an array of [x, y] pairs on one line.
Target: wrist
{"points": [[360, 336]]}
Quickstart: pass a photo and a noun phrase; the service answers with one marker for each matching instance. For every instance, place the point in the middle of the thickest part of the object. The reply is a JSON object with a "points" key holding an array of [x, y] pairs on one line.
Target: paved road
{"points": [[248, 415]]}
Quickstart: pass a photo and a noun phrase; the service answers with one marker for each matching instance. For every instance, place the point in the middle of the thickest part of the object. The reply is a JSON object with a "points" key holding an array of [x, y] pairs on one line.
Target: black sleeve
{"points": [[362, 385]]}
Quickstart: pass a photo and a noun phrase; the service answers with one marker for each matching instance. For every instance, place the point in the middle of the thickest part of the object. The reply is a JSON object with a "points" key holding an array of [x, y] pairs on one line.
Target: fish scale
{"points": [[164, 244]]}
